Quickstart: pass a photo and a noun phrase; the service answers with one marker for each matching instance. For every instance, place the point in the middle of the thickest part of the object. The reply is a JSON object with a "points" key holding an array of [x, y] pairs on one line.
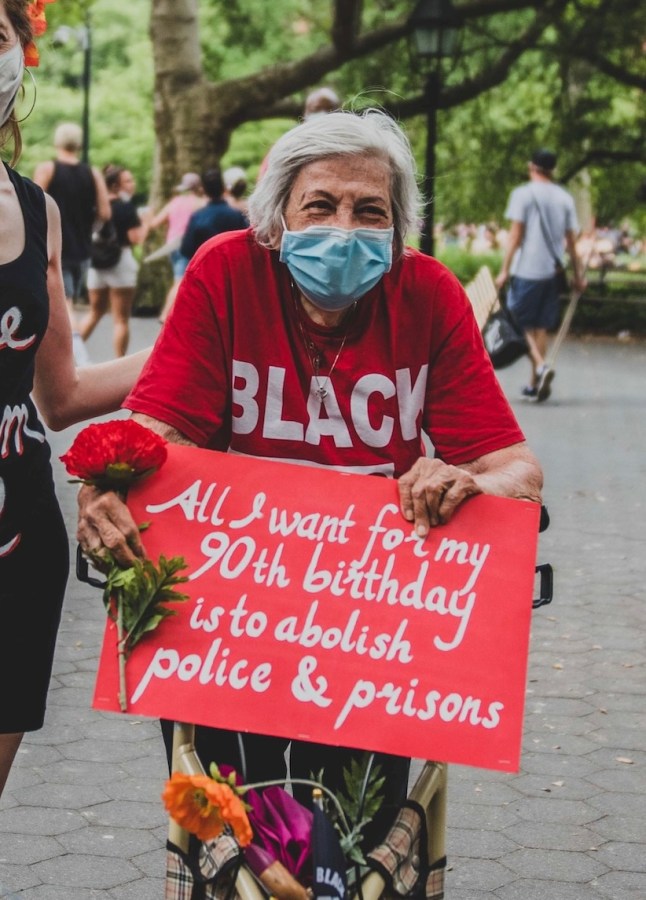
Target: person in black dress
{"points": [[37, 378]]}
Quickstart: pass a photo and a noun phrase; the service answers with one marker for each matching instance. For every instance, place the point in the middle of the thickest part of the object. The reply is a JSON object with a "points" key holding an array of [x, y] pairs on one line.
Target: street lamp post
{"points": [[86, 46], [435, 24], [83, 37]]}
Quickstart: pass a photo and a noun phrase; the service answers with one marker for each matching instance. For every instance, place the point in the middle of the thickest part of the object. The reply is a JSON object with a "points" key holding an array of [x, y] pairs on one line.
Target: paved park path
{"points": [[81, 816]]}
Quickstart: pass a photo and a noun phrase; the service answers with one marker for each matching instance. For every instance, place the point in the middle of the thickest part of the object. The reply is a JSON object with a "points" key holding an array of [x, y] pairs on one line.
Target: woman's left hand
{"points": [[431, 491]]}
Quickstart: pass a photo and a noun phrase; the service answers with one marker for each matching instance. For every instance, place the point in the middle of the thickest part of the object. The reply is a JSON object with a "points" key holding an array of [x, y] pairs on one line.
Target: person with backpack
{"points": [[112, 285]]}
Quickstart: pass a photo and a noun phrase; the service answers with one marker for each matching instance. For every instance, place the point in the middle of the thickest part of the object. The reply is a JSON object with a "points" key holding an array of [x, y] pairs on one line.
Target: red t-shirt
{"points": [[231, 371]]}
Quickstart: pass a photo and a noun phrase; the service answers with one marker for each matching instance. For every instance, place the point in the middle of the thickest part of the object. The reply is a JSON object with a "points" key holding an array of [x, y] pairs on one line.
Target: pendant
{"points": [[321, 393]]}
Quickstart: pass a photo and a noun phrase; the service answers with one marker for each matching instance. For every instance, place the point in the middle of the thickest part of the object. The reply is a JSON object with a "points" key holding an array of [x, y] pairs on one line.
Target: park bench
{"points": [[483, 294]]}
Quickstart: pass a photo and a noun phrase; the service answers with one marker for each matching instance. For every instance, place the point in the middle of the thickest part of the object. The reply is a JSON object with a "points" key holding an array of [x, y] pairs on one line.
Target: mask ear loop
{"points": [[33, 102]]}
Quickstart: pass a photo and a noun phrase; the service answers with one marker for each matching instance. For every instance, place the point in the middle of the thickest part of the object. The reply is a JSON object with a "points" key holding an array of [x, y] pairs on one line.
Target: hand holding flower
{"points": [[105, 522], [107, 458]]}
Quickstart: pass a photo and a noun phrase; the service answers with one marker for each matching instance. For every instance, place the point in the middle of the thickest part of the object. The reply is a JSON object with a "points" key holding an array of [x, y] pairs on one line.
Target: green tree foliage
{"points": [[121, 87], [564, 73]]}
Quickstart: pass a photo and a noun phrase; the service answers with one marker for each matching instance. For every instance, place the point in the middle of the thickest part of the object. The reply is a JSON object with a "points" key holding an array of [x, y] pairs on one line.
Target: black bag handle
{"points": [[83, 570]]}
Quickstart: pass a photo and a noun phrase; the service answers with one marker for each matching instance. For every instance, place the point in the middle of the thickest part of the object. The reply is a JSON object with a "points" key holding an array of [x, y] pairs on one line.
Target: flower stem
{"points": [[314, 784], [121, 653]]}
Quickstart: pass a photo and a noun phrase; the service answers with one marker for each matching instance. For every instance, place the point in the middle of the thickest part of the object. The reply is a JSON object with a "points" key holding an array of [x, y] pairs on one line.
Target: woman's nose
{"points": [[345, 218]]}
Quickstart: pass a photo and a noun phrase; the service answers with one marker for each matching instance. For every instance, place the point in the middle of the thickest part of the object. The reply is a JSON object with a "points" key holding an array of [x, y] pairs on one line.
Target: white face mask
{"points": [[12, 65]]}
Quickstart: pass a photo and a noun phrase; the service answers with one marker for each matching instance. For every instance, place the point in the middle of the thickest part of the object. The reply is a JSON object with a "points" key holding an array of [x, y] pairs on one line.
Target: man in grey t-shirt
{"points": [[543, 221]]}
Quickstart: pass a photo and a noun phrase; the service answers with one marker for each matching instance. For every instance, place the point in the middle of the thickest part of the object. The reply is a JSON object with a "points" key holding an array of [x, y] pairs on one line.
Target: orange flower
{"points": [[36, 10], [205, 807], [31, 55]]}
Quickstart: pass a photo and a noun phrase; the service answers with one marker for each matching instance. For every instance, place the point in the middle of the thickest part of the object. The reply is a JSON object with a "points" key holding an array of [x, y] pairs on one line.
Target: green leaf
{"points": [[142, 591], [360, 801]]}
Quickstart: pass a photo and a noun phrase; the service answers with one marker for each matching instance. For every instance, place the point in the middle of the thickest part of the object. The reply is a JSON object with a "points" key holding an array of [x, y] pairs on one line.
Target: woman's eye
{"points": [[319, 205]]}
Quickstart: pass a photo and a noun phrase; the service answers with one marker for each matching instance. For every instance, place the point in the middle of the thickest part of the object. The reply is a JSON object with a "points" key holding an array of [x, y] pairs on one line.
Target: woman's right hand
{"points": [[105, 523]]}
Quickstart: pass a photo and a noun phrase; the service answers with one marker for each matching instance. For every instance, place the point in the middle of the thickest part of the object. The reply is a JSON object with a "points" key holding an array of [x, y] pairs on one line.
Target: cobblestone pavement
{"points": [[81, 815]]}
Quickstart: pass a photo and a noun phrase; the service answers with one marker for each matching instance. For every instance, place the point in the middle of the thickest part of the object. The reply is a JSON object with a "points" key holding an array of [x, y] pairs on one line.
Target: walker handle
{"points": [[83, 570]]}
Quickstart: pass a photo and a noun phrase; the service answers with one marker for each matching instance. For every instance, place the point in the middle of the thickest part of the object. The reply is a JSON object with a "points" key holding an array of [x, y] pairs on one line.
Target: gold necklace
{"points": [[313, 352]]}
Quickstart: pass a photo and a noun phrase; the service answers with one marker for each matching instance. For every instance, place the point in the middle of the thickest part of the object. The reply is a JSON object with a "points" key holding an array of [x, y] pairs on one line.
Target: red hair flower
{"points": [[36, 10], [113, 455]]}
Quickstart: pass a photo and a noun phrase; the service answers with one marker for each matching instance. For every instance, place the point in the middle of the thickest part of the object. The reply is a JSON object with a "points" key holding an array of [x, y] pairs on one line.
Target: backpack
{"points": [[106, 250]]}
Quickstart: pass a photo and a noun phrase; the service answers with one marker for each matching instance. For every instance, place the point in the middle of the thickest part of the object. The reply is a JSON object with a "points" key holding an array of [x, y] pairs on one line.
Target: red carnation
{"points": [[112, 455]]}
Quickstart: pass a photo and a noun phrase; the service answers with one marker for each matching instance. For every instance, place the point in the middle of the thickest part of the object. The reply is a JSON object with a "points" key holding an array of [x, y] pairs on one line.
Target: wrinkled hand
{"points": [[104, 523], [431, 491]]}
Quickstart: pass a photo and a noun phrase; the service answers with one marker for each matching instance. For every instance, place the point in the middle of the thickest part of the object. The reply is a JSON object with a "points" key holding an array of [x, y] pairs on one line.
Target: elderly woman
{"points": [[37, 379], [317, 337]]}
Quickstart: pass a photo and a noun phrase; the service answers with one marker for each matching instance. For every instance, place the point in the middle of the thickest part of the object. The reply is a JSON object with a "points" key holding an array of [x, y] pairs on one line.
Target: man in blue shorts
{"points": [[543, 219]]}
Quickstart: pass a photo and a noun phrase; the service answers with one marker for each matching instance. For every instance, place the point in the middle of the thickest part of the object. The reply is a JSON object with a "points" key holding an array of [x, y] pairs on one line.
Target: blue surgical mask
{"points": [[12, 65], [333, 266]]}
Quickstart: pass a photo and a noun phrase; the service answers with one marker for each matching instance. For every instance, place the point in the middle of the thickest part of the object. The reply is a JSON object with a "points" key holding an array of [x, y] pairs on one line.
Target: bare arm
{"points": [[105, 520], [139, 234], [431, 491], [103, 208], [159, 218], [514, 240], [64, 394], [43, 174]]}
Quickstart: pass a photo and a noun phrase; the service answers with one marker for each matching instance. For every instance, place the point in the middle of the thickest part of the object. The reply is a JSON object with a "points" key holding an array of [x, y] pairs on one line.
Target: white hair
{"points": [[337, 134], [68, 136]]}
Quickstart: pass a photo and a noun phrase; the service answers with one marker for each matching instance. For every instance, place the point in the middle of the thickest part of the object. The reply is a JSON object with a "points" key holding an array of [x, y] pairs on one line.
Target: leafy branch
{"points": [[135, 600], [360, 800]]}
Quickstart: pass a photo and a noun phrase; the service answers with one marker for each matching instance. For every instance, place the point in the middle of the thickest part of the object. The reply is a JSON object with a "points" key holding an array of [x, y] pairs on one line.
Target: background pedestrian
{"points": [[114, 288], [543, 218], [81, 195], [214, 218], [189, 197]]}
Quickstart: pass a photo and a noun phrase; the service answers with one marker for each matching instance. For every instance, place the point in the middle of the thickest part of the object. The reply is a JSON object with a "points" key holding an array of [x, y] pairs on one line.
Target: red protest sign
{"points": [[316, 613]]}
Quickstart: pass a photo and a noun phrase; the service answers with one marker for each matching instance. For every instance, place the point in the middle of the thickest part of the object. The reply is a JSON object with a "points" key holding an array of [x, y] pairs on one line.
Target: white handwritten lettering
{"points": [[307, 691], [450, 548], [312, 527], [391, 537], [233, 557], [9, 325], [311, 634], [209, 624], [378, 585], [453, 706], [14, 421], [192, 505], [167, 663], [254, 626]]}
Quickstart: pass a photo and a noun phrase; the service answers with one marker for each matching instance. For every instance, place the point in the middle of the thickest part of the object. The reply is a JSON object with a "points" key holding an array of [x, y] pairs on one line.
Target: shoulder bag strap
{"points": [[549, 240]]}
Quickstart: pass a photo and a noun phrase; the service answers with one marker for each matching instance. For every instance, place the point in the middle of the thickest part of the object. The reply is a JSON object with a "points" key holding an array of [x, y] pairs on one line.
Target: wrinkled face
{"points": [[344, 191]]}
